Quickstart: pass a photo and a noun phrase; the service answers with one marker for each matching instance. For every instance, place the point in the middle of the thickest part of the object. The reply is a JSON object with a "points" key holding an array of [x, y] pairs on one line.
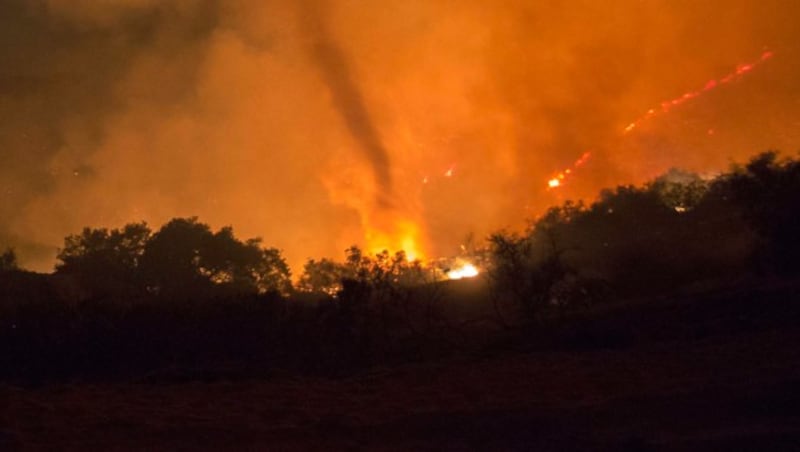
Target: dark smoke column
{"points": [[347, 99]]}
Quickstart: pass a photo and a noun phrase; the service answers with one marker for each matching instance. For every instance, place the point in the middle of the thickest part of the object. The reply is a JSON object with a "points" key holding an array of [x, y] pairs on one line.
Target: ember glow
{"points": [[560, 178], [464, 270], [400, 124]]}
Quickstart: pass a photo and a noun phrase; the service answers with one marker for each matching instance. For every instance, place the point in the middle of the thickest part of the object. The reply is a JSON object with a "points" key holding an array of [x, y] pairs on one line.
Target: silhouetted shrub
{"points": [[8, 261], [527, 272], [767, 191]]}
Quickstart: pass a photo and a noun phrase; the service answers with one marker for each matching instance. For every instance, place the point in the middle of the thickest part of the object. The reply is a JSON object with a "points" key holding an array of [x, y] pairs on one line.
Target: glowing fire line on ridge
{"points": [[665, 107], [407, 233], [559, 179]]}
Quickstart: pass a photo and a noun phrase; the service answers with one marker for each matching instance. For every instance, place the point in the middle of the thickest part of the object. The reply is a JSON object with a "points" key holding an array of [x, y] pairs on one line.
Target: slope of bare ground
{"points": [[701, 377]]}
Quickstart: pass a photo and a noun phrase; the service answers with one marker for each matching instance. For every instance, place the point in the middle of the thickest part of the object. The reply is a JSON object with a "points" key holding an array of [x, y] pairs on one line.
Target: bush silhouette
{"points": [[767, 191], [8, 261]]}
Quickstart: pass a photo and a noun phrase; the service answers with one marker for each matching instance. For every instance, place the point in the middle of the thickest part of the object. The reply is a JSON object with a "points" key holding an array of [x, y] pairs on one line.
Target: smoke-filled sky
{"points": [[401, 123]]}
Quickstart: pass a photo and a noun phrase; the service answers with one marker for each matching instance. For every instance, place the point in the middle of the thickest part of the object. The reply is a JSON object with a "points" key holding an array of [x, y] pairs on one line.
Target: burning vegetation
{"points": [[667, 105], [747, 213]]}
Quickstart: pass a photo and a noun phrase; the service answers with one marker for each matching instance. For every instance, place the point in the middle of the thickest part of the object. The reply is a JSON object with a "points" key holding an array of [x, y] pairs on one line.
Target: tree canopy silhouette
{"points": [[184, 258], [105, 261], [322, 276], [767, 191]]}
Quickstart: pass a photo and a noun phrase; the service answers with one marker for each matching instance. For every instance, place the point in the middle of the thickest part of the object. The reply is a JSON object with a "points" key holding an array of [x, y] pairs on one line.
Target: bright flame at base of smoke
{"points": [[404, 236], [465, 270]]}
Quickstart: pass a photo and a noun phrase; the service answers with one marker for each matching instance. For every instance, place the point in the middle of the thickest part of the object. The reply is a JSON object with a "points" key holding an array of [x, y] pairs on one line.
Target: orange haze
{"points": [[400, 123]]}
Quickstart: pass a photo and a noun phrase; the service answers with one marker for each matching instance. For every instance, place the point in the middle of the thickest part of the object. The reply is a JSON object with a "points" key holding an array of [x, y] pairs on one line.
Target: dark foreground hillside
{"points": [[708, 371]]}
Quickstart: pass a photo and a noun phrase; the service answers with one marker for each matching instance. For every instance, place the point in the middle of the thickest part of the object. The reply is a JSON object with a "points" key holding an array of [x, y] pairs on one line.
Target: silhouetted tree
{"points": [[384, 274], [105, 261], [526, 272], [372, 310], [679, 190], [323, 276], [8, 260], [767, 190], [185, 258], [272, 272]]}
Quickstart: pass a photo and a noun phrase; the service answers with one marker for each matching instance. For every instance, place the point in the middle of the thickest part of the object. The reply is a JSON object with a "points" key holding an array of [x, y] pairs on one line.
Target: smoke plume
{"points": [[347, 98]]}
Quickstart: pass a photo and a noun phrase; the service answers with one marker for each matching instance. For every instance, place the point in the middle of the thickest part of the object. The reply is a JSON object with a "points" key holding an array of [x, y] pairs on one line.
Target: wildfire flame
{"points": [[665, 106], [465, 270], [560, 178], [404, 236], [394, 227], [557, 180], [400, 227]]}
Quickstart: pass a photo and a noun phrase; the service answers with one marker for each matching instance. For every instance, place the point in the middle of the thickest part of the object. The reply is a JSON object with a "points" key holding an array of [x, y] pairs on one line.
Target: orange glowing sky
{"points": [[319, 124]]}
